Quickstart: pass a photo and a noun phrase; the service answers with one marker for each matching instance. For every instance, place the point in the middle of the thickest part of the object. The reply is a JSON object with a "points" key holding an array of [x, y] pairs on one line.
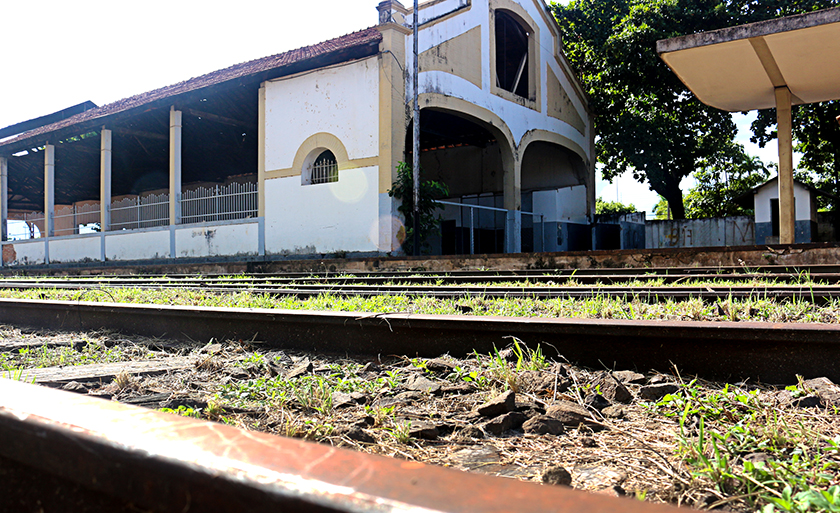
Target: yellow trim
{"points": [[459, 56], [392, 108], [321, 140]]}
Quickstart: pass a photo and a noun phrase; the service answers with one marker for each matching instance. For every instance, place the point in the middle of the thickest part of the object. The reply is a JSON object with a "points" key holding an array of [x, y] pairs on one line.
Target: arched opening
{"points": [[469, 158], [512, 54], [554, 185], [323, 169]]}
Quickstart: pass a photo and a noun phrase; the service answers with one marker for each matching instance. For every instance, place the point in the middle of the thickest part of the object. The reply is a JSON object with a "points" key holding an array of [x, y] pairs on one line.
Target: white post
{"points": [[415, 148], [49, 190], [174, 166], [787, 213], [4, 198], [105, 181]]}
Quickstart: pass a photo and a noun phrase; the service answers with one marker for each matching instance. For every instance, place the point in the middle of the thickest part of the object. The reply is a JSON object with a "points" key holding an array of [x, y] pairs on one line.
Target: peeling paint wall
{"points": [[24, 252], [238, 239], [436, 38], [695, 233]]}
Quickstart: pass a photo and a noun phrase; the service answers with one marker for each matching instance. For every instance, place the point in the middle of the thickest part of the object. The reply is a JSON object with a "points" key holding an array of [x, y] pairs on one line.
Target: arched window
{"points": [[512, 48], [324, 169]]}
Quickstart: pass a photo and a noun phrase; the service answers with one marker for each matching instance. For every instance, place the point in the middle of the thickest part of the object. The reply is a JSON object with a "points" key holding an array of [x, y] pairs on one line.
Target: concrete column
{"points": [[787, 207], [261, 153], [105, 181], [49, 190], [4, 198], [174, 166], [513, 202]]}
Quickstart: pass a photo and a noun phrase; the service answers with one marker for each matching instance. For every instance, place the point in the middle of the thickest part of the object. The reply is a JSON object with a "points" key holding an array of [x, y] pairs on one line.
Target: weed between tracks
{"points": [[760, 308]]}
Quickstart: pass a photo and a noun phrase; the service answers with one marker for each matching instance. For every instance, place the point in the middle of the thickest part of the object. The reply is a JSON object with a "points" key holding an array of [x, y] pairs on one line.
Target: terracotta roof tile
{"points": [[298, 56]]}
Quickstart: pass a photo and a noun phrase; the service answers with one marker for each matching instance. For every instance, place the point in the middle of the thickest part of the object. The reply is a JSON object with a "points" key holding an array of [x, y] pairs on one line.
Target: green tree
{"points": [[661, 211], [721, 180], [613, 207], [646, 120]]}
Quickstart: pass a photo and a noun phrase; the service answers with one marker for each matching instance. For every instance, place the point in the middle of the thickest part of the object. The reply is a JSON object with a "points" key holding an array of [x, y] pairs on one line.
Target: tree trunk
{"points": [[674, 197]]}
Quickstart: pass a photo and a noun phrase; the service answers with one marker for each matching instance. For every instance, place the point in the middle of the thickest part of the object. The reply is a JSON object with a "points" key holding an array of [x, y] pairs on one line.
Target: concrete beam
{"points": [[174, 166], [787, 206]]}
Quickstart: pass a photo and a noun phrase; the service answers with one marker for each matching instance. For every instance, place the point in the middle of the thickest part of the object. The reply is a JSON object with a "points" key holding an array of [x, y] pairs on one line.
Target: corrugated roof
{"points": [[292, 57]]}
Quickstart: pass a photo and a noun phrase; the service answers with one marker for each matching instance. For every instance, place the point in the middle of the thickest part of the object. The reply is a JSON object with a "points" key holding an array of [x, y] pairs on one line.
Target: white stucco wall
{"points": [[342, 101], [562, 205], [27, 252], [240, 239], [323, 218], [79, 248], [137, 245], [518, 118], [801, 199]]}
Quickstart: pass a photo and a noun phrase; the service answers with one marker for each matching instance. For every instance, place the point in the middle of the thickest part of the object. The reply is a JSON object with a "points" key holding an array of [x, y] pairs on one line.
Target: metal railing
{"points": [[219, 203], [141, 212], [472, 225], [70, 220]]}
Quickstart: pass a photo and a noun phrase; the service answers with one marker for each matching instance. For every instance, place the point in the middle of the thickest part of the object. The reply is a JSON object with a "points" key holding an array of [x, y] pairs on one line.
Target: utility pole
{"points": [[415, 151]]}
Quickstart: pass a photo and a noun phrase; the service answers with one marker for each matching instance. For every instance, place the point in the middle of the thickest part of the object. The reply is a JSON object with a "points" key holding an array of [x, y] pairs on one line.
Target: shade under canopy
{"points": [[739, 68]]}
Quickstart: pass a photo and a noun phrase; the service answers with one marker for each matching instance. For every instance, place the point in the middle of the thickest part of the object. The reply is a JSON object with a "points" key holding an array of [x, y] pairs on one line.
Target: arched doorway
{"points": [[471, 158]]}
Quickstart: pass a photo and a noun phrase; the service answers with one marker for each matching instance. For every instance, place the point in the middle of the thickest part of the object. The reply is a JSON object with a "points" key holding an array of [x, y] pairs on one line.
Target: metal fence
{"points": [[142, 212], [473, 220], [219, 203], [76, 219]]}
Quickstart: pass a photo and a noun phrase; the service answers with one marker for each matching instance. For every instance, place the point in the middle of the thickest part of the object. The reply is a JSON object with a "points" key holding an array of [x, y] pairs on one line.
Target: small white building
{"points": [[294, 154], [764, 199]]}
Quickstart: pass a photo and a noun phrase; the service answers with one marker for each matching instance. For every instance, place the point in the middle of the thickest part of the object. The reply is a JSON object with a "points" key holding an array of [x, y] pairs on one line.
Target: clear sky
{"points": [[59, 53]]}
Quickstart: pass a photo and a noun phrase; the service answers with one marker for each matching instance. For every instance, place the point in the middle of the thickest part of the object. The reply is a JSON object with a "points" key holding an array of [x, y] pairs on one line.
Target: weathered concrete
{"points": [[749, 256]]}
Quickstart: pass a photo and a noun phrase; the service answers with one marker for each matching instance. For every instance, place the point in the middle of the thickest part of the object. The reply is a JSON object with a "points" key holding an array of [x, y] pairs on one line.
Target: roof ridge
{"points": [[232, 72]]}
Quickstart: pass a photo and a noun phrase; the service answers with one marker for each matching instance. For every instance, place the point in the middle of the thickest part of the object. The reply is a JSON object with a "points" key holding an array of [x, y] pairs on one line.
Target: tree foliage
{"points": [[720, 181], [613, 207], [646, 120], [430, 191]]}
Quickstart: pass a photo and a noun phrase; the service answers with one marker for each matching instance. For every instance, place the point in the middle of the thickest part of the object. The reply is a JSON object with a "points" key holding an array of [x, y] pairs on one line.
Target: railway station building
{"points": [[293, 155]]}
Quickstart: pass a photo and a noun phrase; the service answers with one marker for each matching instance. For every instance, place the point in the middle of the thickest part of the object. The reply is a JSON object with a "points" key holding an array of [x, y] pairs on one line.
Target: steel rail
{"points": [[771, 353], [821, 294], [146, 460], [727, 271]]}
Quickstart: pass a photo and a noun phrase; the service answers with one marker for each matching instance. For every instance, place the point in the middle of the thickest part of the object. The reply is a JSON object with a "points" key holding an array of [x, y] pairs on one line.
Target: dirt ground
{"points": [[520, 413]]}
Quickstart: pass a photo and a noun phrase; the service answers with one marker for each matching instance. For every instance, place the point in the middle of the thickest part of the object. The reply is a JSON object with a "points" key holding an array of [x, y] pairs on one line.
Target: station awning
{"points": [[739, 68]]}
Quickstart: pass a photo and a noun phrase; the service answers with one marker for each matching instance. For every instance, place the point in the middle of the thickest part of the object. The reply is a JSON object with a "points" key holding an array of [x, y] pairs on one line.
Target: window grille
{"points": [[324, 169]]}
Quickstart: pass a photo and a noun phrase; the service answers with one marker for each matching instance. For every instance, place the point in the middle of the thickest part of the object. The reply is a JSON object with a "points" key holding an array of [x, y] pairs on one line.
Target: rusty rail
{"points": [[140, 459], [771, 353]]}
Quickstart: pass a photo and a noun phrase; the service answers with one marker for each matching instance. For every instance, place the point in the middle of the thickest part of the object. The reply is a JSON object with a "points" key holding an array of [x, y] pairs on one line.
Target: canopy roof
{"points": [[738, 68]]}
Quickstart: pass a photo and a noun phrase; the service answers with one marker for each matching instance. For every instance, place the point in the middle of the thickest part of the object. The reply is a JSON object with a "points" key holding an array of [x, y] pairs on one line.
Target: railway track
{"points": [[167, 463], [818, 284]]}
